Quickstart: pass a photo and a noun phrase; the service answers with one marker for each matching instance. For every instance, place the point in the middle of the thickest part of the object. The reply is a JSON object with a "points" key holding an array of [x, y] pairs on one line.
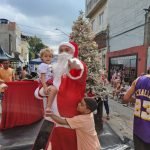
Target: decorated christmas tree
{"points": [[88, 50]]}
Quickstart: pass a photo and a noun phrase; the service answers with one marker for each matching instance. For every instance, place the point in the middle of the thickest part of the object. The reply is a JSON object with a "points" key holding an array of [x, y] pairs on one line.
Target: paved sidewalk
{"points": [[121, 119], [110, 140]]}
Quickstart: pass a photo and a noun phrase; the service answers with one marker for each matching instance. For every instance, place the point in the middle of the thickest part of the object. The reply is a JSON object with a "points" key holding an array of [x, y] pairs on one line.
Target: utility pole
{"points": [[147, 37], [147, 27]]}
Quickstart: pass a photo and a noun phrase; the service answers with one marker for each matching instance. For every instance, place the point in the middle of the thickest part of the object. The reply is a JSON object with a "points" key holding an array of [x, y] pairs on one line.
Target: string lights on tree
{"points": [[88, 50]]}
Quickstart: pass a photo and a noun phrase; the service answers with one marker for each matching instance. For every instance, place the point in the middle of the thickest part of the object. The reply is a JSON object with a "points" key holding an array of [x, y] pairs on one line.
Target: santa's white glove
{"points": [[75, 63]]}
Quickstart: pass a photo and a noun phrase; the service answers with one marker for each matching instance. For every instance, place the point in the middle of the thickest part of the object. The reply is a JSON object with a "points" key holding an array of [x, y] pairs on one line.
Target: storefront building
{"points": [[131, 62]]}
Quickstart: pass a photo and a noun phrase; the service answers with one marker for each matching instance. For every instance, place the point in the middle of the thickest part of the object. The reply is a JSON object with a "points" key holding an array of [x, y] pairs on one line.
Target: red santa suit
{"points": [[71, 89]]}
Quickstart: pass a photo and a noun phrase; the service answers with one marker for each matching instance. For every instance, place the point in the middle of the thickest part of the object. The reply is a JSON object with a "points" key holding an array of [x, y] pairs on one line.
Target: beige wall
{"points": [[124, 15], [95, 17], [10, 40], [100, 27], [7, 38]]}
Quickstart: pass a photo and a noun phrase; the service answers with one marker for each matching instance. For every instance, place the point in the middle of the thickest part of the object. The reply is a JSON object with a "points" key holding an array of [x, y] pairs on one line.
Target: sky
{"points": [[42, 17]]}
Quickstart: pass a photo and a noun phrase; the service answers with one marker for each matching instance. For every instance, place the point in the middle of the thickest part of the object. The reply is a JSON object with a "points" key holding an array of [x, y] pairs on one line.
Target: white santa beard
{"points": [[61, 67]]}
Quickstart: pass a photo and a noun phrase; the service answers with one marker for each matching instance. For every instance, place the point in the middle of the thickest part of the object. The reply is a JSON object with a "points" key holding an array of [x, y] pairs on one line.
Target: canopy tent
{"points": [[17, 57], [35, 61], [5, 56], [38, 60]]}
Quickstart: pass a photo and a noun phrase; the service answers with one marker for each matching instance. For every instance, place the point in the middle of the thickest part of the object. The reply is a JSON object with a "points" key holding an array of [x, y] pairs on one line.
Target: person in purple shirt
{"points": [[141, 129]]}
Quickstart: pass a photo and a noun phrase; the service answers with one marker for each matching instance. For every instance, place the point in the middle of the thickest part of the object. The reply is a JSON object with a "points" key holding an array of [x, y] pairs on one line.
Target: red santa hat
{"points": [[73, 46]]}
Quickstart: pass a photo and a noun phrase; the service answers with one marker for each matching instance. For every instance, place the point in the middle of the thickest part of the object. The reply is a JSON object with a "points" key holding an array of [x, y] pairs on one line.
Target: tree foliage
{"points": [[35, 45], [88, 49]]}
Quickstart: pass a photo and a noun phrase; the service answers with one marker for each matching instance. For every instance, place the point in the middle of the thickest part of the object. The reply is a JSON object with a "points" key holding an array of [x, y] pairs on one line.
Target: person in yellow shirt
{"points": [[6, 73]]}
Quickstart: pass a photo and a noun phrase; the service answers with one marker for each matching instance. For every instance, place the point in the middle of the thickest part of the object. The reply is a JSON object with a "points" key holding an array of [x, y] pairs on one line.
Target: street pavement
{"points": [[121, 116], [116, 133], [121, 120], [22, 138]]}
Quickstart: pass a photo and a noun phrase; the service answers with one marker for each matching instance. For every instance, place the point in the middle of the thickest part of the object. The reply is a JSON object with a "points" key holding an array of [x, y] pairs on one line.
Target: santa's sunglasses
{"points": [[64, 50]]}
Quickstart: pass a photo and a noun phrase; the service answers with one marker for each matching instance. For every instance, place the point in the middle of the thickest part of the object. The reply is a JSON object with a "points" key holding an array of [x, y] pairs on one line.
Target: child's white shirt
{"points": [[47, 69]]}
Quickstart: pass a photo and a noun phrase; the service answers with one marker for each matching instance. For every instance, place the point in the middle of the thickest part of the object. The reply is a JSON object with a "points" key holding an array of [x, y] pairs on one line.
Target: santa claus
{"points": [[70, 79]]}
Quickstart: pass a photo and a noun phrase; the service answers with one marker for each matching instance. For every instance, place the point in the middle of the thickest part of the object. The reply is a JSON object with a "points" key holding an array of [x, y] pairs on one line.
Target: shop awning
{"points": [[17, 57], [4, 55]]}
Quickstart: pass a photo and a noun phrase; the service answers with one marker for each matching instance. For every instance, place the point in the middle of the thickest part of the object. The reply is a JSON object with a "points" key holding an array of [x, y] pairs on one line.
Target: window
{"points": [[127, 65], [101, 18]]}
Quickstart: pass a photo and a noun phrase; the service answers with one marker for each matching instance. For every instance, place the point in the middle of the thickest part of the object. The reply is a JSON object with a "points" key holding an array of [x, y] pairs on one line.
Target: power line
{"points": [[36, 28], [122, 30], [138, 13], [125, 22], [32, 34], [62, 32], [43, 29], [131, 6], [129, 30]]}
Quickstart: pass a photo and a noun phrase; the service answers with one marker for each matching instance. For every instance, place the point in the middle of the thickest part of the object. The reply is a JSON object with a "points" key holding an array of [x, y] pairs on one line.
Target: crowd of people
{"points": [[64, 83], [8, 73], [120, 87], [136, 94]]}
